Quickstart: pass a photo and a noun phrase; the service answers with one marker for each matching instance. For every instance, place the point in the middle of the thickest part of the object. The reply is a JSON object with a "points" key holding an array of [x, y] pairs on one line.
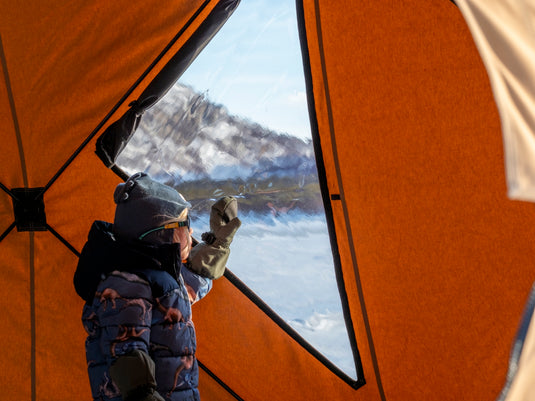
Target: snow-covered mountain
{"points": [[187, 137]]}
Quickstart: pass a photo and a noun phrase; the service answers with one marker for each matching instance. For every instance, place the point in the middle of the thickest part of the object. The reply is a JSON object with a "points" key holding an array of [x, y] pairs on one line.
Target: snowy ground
{"points": [[288, 262]]}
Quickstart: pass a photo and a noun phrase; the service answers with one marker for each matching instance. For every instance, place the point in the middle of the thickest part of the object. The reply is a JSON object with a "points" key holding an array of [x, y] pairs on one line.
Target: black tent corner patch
{"points": [[29, 209]]}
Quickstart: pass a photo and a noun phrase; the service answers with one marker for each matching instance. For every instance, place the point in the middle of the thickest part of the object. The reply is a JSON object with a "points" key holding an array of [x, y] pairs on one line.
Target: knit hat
{"points": [[144, 204]]}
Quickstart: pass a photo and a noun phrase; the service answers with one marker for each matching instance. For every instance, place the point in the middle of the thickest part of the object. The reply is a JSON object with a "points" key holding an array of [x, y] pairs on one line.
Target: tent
{"points": [[434, 262]]}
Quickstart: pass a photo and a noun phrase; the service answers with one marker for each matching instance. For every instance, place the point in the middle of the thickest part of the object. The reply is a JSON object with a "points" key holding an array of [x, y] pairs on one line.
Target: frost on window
{"points": [[237, 124]]}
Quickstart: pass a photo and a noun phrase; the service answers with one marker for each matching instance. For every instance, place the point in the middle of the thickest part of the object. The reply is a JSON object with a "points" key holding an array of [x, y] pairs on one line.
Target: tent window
{"points": [[237, 124]]}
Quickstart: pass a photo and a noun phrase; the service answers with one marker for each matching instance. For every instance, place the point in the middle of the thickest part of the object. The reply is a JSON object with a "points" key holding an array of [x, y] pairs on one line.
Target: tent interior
{"points": [[433, 260]]}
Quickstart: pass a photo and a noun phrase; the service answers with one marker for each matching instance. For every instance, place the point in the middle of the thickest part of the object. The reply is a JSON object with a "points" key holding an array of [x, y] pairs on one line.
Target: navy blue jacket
{"points": [[137, 298]]}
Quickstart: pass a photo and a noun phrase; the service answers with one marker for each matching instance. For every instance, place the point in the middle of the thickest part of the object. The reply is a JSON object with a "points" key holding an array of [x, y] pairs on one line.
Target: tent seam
{"points": [[24, 172], [63, 240], [7, 231], [219, 381], [325, 197], [344, 205], [33, 373], [14, 116]]}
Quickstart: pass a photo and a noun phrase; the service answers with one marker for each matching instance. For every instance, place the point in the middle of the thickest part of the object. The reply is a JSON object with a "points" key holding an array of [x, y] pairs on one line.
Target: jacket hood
{"points": [[104, 252]]}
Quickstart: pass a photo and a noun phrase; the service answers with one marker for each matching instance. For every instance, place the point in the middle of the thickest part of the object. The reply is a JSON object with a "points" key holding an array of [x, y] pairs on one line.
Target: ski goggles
{"points": [[175, 224]]}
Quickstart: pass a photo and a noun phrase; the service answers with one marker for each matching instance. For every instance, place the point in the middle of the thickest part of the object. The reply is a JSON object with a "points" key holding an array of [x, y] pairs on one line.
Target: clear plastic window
{"points": [[237, 124]]}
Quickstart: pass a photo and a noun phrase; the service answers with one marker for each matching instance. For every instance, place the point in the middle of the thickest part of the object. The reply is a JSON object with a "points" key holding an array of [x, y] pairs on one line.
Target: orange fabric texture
{"points": [[437, 262], [413, 145], [15, 365], [68, 66], [255, 357], [64, 67], [212, 390]]}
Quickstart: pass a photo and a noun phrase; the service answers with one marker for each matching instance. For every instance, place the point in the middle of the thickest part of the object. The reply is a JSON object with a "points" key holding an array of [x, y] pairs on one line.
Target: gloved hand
{"points": [[134, 374], [208, 258], [224, 222]]}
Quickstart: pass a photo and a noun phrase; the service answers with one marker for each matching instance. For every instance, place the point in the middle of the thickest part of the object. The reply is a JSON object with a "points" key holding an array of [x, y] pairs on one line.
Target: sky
{"points": [[254, 67]]}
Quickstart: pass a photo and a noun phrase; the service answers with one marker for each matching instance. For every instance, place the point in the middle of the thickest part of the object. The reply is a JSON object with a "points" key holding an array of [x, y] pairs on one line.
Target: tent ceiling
{"points": [[437, 263]]}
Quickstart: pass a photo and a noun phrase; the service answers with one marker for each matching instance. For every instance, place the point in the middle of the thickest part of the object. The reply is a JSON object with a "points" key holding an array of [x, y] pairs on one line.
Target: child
{"points": [[134, 276]]}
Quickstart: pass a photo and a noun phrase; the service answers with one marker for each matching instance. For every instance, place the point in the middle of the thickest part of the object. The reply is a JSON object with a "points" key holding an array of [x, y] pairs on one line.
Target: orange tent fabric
{"points": [[436, 261], [66, 69]]}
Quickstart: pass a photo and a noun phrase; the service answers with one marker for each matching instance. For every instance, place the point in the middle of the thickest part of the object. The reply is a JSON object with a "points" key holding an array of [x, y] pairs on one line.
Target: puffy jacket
{"points": [[138, 297]]}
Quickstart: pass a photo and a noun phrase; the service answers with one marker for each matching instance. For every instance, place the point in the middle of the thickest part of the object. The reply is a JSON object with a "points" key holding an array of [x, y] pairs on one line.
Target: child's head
{"points": [[151, 211]]}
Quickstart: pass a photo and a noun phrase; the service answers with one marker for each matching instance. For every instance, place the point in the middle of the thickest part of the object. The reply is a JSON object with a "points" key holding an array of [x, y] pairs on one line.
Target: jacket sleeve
{"points": [[196, 285]]}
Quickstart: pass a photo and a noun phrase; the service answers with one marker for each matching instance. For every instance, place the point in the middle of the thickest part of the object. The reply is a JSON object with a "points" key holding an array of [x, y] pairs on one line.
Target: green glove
{"points": [[209, 258], [224, 221], [134, 374]]}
